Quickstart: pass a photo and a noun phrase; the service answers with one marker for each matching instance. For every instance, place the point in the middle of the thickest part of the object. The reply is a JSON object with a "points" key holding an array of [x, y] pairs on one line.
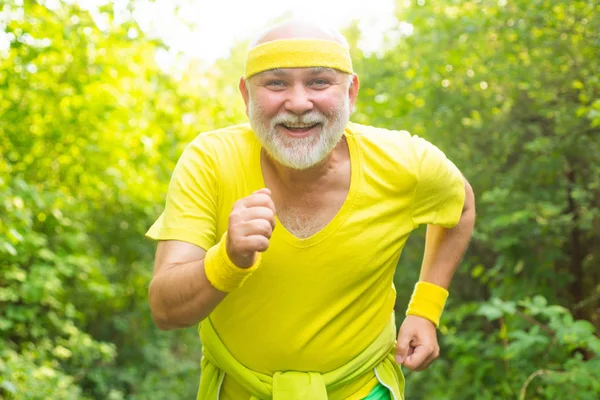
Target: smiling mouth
{"points": [[299, 128]]}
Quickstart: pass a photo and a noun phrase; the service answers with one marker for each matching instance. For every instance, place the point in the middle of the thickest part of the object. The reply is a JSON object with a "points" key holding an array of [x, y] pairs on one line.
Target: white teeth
{"points": [[298, 126]]}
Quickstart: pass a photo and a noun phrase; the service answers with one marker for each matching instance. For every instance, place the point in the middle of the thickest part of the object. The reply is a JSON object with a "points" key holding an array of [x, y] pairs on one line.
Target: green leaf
{"points": [[583, 328], [490, 312], [9, 248], [8, 386]]}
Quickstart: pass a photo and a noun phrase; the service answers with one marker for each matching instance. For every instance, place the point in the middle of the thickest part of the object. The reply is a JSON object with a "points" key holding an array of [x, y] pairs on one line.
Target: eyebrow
{"points": [[277, 71], [318, 70], [313, 71]]}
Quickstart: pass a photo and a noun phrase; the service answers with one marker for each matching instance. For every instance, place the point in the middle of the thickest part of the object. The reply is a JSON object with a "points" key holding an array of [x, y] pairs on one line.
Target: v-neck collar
{"points": [[342, 214]]}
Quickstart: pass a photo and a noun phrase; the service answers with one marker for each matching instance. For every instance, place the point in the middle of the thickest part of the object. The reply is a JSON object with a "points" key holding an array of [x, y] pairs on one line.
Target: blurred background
{"points": [[99, 98]]}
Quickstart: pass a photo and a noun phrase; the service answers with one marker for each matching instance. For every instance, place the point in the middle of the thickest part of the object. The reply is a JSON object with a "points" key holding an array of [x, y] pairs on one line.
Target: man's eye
{"points": [[320, 82], [276, 84]]}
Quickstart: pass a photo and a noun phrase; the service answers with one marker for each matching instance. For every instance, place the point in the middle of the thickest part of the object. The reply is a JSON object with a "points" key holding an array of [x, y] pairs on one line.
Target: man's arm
{"points": [[445, 247], [417, 345], [180, 295]]}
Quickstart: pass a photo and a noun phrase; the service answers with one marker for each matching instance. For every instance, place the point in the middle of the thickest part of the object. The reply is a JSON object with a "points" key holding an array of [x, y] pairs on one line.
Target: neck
{"points": [[306, 179]]}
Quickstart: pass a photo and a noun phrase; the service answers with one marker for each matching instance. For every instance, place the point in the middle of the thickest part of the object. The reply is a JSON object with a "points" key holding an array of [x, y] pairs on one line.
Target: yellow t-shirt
{"points": [[314, 303]]}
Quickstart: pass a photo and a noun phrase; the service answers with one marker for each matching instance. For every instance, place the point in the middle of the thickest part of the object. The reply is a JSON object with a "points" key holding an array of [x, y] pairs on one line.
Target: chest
{"points": [[306, 214]]}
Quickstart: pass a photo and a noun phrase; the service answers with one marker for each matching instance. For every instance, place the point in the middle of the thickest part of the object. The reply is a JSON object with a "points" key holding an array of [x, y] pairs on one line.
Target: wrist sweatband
{"points": [[221, 272], [427, 301], [298, 53]]}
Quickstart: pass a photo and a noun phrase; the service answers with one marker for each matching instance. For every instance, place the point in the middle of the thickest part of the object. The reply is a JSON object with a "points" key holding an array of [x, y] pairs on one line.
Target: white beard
{"points": [[305, 152]]}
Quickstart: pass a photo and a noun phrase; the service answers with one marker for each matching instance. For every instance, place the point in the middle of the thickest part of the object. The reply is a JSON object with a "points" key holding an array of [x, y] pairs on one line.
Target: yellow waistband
{"points": [[298, 53], [295, 385]]}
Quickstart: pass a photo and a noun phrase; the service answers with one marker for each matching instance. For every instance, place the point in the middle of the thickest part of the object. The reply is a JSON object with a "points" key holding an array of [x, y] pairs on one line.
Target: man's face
{"points": [[299, 114]]}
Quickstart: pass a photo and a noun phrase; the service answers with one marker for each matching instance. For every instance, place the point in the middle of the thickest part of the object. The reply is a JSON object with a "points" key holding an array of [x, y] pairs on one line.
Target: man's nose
{"points": [[298, 101]]}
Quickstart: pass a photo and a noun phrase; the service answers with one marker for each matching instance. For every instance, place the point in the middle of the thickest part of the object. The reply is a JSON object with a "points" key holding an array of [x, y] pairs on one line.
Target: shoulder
{"points": [[376, 134], [222, 149], [236, 137], [395, 146]]}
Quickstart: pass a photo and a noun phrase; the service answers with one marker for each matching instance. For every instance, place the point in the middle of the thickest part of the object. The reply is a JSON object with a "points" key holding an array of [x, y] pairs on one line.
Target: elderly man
{"points": [[281, 237]]}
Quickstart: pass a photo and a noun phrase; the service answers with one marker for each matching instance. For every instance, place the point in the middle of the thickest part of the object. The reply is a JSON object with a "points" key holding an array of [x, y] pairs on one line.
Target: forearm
{"points": [[445, 247], [182, 296]]}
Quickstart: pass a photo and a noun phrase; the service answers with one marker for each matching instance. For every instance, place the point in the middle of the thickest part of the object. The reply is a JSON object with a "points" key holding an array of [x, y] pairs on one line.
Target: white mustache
{"points": [[307, 119]]}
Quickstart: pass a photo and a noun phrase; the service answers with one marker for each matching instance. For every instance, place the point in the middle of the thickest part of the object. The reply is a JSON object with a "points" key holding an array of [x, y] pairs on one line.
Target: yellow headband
{"points": [[298, 53]]}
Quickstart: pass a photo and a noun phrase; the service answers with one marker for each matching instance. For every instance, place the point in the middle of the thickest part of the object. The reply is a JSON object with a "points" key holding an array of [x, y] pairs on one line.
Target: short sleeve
{"points": [[190, 213], [440, 191]]}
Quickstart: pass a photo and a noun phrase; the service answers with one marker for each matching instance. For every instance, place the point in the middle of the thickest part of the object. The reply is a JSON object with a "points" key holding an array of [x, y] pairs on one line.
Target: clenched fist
{"points": [[251, 225], [417, 345]]}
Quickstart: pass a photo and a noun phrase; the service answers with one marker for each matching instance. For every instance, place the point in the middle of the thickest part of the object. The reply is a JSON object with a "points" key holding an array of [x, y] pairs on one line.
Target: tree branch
{"points": [[532, 377], [534, 321]]}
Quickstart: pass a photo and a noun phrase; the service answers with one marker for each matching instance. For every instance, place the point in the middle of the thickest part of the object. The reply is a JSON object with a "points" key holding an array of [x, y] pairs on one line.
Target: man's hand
{"points": [[417, 345], [251, 225]]}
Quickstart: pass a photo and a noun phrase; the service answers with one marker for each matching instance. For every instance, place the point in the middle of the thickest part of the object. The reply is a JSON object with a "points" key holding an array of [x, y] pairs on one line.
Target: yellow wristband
{"points": [[221, 272], [428, 301]]}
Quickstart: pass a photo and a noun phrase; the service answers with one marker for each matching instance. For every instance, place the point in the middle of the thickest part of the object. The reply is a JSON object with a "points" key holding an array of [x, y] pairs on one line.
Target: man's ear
{"points": [[353, 91], [244, 92]]}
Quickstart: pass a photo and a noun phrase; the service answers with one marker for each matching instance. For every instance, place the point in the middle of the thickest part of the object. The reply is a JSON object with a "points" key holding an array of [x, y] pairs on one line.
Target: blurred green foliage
{"points": [[91, 127]]}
